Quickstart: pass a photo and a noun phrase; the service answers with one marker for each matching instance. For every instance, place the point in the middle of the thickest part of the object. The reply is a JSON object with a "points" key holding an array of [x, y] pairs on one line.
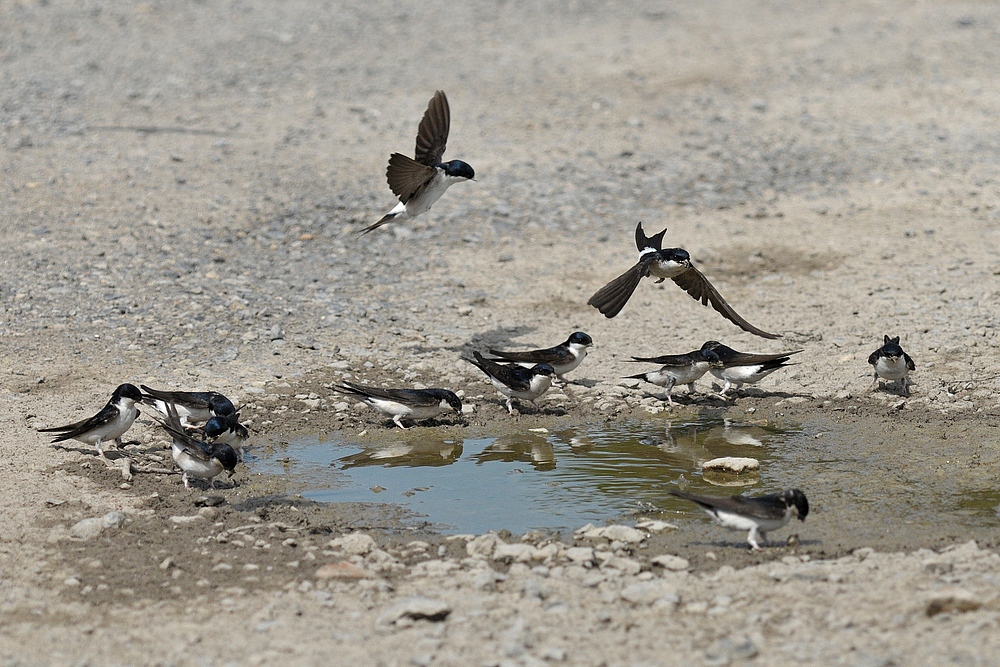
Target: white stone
{"points": [[732, 464], [615, 533], [580, 554], [353, 543], [88, 529], [414, 608], [648, 592], [482, 547], [670, 562], [519, 552]]}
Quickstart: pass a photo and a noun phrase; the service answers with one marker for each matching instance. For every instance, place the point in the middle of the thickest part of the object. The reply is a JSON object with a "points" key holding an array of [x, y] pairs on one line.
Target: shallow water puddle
{"points": [[559, 479]]}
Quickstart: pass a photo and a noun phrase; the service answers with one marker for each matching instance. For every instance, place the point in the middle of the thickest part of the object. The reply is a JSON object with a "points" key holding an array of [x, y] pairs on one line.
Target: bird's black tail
{"points": [[642, 242]]}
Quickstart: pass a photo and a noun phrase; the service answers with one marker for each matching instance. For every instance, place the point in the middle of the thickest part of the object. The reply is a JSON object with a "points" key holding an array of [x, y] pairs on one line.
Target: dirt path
{"points": [[182, 187]]}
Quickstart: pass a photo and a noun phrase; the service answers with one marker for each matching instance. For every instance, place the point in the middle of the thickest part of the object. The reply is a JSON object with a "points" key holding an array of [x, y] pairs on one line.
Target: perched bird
{"points": [[758, 515], [412, 404], [563, 358], [420, 182], [673, 263], [891, 363], [679, 369], [193, 407], [109, 424], [514, 381], [203, 460], [740, 368]]}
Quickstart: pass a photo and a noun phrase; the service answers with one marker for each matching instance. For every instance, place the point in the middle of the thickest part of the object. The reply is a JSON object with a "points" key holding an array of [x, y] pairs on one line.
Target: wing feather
{"points": [[611, 298], [696, 284], [432, 135]]}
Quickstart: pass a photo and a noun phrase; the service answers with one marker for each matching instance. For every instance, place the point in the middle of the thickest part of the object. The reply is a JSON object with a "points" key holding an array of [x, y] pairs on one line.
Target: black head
{"points": [[226, 455], [794, 497], [708, 355], [459, 169], [581, 338], [220, 405], [452, 400], [127, 391], [891, 347], [216, 426], [679, 255], [543, 369]]}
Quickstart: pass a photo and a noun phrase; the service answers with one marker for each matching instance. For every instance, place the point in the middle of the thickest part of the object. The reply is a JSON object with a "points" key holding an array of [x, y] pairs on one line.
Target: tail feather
{"points": [[387, 218]]}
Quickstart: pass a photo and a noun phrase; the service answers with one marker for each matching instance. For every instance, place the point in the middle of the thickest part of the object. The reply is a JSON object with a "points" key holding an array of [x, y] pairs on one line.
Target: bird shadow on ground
{"points": [[495, 337]]}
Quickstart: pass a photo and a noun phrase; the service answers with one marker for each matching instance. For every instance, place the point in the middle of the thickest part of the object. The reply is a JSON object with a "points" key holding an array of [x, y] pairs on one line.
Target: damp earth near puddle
{"points": [[864, 487]]}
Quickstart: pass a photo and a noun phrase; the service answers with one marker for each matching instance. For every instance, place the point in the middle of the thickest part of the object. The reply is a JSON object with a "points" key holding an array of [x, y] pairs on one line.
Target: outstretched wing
{"points": [[611, 298], [406, 176], [696, 284], [432, 135]]}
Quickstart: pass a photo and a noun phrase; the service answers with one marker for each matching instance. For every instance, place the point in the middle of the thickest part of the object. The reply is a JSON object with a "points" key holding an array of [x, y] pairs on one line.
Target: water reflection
{"points": [[535, 479]]}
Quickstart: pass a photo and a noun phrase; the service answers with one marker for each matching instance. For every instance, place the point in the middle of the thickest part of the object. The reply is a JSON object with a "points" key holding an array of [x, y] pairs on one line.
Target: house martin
{"points": [[109, 424], [201, 460], [514, 381], [420, 182], [411, 404], [740, 368], [758, 515], [225, 429], [891, 363], [679, 369], [193, 407], [673, 263], [563, 357]]}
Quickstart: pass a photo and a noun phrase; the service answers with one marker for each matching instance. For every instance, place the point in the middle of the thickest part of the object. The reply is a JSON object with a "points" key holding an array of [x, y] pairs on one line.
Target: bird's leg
{"points": [[187, 484], [691, 387], [660, 280], [904, 387], [752, 539], [399, 421], [670, 388], [874, 382], [510, 406]]}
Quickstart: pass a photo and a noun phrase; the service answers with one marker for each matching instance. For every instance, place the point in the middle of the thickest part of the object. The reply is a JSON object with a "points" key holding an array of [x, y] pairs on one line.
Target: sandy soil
{"points": [[182, 187]]}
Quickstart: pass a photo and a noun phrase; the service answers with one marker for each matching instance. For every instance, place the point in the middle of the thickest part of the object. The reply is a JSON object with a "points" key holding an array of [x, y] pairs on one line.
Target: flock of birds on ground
{"points": [[207, 437]]}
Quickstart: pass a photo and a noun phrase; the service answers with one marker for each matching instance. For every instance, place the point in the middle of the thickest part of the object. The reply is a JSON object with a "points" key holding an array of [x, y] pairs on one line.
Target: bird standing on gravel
{"points": [[758, 515], [891, 363], [109, 424], [203, 460], [420, 182], [514, 381], [678, 369], [739, 368], [412, 404], [563, 357], [673, 263]]}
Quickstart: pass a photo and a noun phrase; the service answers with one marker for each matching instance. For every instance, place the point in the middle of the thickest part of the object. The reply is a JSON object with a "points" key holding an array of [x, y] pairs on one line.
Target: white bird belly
{"points": [[393, 409], [194, 466], [891, 369]]}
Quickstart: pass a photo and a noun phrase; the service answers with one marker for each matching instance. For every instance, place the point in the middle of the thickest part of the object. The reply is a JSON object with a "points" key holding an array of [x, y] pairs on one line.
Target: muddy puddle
{"points": [[891, 486]]}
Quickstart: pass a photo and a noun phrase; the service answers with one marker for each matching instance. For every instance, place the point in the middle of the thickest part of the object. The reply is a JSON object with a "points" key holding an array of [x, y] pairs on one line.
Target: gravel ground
{"points": [[182, 187]]}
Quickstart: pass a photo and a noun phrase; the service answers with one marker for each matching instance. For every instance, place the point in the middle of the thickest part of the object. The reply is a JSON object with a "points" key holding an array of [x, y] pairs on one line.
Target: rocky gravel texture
{"points": [[182, 186]]}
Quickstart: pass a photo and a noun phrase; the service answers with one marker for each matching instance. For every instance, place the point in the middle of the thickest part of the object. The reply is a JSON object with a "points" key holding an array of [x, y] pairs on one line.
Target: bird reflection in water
{"points": [[405, 454], [533, 448]]}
